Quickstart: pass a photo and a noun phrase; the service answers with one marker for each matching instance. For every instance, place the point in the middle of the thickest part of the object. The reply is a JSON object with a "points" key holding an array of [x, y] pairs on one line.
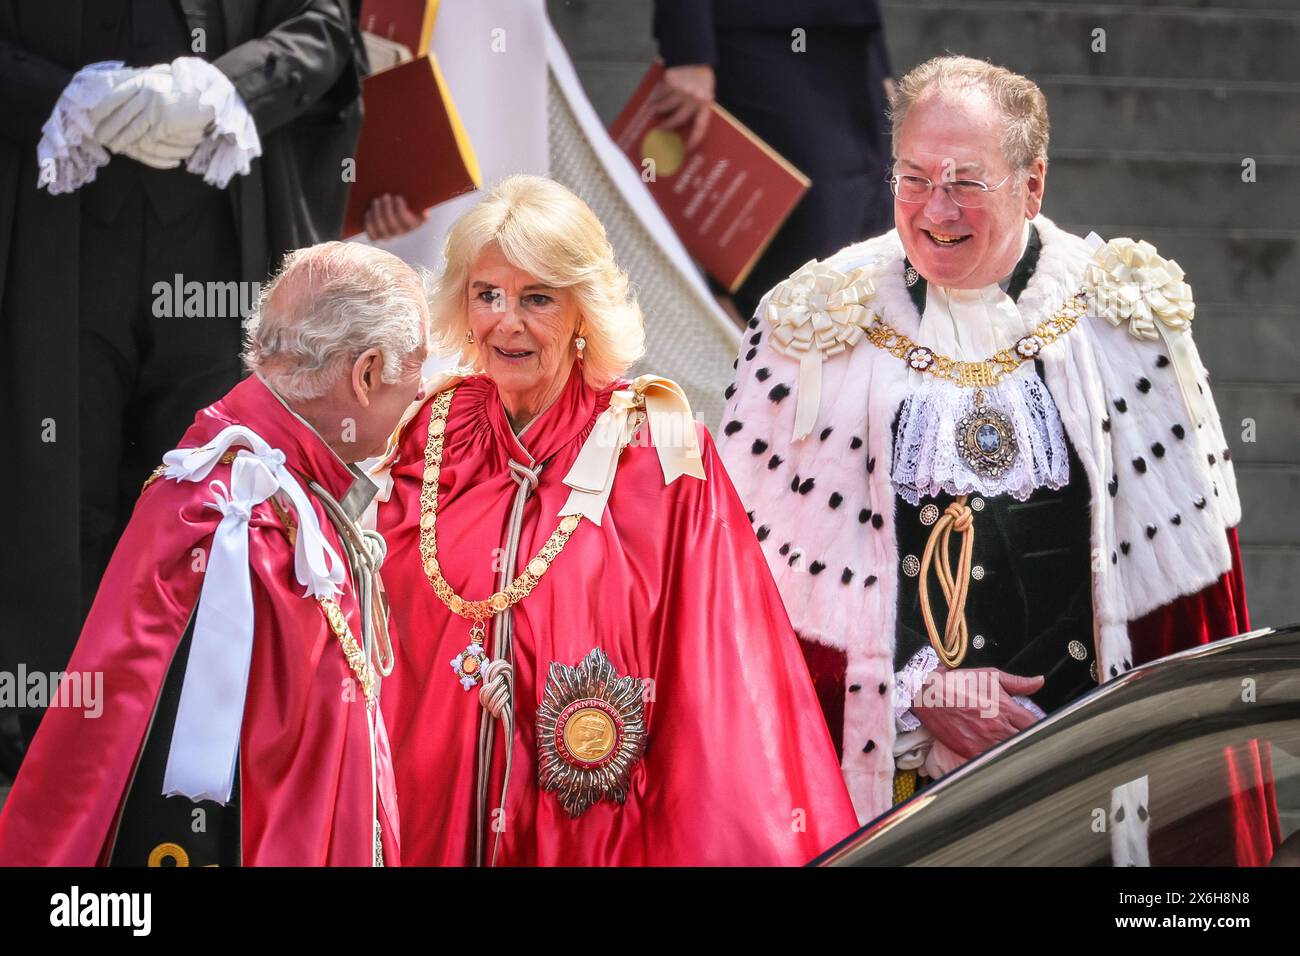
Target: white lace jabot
{"points": [[971, 325]]}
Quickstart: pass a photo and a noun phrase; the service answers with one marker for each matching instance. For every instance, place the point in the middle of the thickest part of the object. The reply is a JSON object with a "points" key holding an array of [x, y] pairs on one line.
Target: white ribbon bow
{"points": [[205, 740], [672, 429], [817, 313]]}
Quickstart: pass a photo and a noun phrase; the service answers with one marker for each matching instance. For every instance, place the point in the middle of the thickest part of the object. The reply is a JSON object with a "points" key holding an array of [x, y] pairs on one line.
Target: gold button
{"points": [[537, 567], [911, 565]]}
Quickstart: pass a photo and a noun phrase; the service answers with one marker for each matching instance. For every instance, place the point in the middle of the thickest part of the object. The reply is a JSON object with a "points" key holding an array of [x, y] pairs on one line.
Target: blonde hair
{"points": [[328, 304], [1017, 97], [547, 231]]}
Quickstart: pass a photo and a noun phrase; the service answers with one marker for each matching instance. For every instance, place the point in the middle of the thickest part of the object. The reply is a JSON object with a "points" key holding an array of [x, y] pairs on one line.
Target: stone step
{"points": [[1271, 575], [1269, 515], [1244, 343], [1175, 190], [1260, 267], [1254, 119], [1275, 411], [614, 30], [1143, 41]]}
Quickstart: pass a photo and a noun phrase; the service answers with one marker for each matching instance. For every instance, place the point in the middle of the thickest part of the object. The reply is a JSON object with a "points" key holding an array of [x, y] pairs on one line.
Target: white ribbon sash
{"points": [[205, 740]]}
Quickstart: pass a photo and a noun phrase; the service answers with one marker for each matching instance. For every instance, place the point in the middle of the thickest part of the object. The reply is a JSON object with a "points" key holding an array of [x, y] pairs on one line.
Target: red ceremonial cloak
{"points": [[306, 791], [738, 767]]}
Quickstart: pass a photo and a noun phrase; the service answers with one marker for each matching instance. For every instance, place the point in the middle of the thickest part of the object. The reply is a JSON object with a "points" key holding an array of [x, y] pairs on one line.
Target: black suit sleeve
{"points": [[282, 73], [684, 29], [29, 87]]}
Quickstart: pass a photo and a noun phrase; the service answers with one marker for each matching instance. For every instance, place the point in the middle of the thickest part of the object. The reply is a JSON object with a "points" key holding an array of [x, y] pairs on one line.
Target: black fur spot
{"points": [[730, 390], [816, 567], [750, 516], [1119, 814], [753, 323], [1179, 432], [763, 374], [1124, 546], [773, 462], [1105, 424], [785, 549], [1227, 454], [1144, 385], [864, 515], [854, 688], [1177, 519], [1200, 503], [1142, 811], [855, 443], [826, 433], [836, 499], [870, 580], [758, 447], [846, 576], [1151, 531], [749, 356], [1114, 558], [778, 392], [806, 486], [793, 559], [763, 532], [1140, 464], [871, 745], [1113, 671], [755, 338], [1113, 487], [1158, 450], [1162, 361], [733, 426], [882, 687], [877, 521], [1212, 460], [871, 465], [794, 485], [1120, 405]]}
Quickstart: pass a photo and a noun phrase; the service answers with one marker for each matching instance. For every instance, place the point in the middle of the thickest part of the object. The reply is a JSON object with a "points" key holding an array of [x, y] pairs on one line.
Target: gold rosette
{"points": [[590, 732], [815, 314], [1130, 282]]}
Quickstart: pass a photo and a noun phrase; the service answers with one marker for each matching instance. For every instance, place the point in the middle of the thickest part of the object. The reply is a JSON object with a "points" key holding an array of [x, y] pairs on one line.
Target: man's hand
{"points": [[972, 708], [150, 119], [389, 216], [685, 96]]}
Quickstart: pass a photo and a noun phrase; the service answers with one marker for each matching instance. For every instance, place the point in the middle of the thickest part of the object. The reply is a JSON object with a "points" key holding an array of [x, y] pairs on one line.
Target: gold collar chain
{"points": [[992, 370], [520, 587]]}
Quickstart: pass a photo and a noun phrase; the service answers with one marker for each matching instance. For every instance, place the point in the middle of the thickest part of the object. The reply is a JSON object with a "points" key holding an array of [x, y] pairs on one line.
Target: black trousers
{"points": [[823, 109], [144, 375]]}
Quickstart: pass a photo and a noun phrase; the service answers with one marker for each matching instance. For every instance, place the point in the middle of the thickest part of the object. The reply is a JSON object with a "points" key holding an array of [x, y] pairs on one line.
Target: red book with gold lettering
{"points": [[412, 143], [726, 198]]}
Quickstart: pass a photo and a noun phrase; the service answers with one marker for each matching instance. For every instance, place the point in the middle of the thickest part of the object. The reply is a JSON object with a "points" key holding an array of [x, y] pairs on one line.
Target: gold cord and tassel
{"points": [[952, 644]]}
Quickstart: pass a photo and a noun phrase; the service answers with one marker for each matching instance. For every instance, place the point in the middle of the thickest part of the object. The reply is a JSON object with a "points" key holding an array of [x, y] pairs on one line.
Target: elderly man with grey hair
{"points": [[980, 452], [222, 703]]}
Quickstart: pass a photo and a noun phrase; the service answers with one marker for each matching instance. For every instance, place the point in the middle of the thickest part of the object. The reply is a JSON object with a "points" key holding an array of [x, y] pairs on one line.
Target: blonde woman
{"points": [[594, 666]]}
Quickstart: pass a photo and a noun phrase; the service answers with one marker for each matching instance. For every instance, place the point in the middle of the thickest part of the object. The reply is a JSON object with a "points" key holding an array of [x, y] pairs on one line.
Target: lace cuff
{"points": [[68, 156], [907, 685], [232, 142]]}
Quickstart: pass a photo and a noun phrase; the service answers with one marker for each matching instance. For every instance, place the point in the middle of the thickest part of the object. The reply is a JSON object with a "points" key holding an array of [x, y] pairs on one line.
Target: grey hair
{"points": [[328, 304], [1018, 98]]}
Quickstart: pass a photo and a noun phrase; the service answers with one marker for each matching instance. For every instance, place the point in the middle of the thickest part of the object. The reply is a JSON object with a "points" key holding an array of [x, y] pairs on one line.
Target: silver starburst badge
{"points": [[590, 732]]}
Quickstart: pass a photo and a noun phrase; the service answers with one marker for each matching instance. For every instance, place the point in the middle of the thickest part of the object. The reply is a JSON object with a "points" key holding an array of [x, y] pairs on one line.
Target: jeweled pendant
{"points": [[468, 664], [985, 439]]}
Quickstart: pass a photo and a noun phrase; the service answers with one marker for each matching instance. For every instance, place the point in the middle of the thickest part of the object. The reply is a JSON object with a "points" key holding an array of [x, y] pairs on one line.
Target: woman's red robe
{"points": [[739, 766]]}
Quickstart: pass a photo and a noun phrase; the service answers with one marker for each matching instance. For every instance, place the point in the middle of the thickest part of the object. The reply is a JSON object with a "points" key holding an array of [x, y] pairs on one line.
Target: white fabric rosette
{"points": [[1130, 282], [205, 740], [817, 313]]}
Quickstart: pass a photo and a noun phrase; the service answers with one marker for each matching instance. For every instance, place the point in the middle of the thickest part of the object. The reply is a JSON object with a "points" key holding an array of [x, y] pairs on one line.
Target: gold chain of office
{"points": [[520, 587], [992, 370]]}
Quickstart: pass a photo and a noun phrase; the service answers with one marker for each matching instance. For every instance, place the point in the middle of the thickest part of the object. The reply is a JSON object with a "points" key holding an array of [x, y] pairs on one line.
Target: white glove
{"points": [[152, 119]]}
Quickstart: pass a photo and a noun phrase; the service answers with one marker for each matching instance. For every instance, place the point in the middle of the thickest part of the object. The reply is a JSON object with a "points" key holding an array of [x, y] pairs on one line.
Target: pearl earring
{"points": [[580, 342]]}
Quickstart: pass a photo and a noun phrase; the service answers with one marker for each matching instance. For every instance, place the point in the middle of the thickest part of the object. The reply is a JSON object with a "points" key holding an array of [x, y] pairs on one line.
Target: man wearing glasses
{"points": [[980, 453]]}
